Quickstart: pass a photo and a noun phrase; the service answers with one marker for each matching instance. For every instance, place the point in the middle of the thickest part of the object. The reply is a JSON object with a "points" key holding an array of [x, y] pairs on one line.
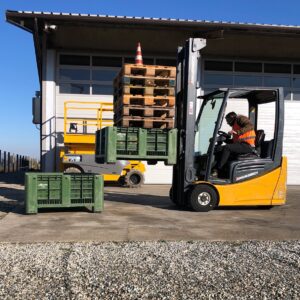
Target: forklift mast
{"points": [[187, 83]]}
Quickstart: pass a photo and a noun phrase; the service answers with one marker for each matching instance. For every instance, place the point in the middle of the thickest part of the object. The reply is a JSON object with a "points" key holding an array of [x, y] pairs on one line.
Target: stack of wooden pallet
{"points": [[144, 96]]}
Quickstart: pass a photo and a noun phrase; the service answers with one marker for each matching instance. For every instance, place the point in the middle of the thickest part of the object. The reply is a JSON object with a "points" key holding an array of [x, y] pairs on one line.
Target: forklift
{"points": [[255, 179]]}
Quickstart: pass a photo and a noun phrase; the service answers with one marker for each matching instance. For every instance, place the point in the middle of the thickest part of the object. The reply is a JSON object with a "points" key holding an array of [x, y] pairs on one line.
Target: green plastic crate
{"points": [[117, 143], [58, 190]]}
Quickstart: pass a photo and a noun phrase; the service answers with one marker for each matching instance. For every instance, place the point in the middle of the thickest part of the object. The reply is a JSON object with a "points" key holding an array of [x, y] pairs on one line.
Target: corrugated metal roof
{"points": [[153, 19]]}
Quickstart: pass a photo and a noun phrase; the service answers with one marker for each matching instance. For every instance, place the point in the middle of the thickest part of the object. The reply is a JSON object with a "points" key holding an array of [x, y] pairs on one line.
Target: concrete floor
{"points": [[144, 214]]}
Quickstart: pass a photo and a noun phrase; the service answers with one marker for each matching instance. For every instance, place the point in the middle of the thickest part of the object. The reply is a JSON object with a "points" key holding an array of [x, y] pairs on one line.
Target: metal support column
{"points": [[186, 96]]}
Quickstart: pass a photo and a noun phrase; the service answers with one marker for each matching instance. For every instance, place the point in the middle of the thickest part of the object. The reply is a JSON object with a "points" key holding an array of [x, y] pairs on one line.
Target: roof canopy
{"points": [[25, 19], [160, 37]]}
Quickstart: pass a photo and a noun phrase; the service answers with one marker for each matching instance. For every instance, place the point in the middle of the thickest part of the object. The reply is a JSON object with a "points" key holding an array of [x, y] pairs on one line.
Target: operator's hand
{"points": [[231, 132]]}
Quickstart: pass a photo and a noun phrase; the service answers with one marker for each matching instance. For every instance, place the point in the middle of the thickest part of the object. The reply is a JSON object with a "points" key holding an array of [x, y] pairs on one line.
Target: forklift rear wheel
{"points": [[203, 198], [134, 179]]}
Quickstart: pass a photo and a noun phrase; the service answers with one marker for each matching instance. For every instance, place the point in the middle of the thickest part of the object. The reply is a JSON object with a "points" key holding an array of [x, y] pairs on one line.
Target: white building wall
{"points": [[48, 113], [53, 114], [291, 141]]}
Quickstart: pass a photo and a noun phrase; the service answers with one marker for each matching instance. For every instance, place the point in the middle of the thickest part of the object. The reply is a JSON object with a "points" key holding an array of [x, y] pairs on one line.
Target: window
{"points": [[277, 81], [94, 74], [296, 69], [248, 80], [239, 106], [296, 95], [102, 89], [266, 119], [278, 68], [74, 74], [104, 74], [77, 76], [166, 62], [129, 60], [211, 65], [219, 73], [248, 67], [296, 82], [207, 122], [287, 94], [74, 88], [75, 60], [103, 61], [218, 79], [146, 61]]}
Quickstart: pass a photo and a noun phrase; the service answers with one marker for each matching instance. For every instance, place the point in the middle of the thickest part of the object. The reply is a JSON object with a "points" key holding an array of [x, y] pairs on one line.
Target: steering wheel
{"points": [[224, 134]]}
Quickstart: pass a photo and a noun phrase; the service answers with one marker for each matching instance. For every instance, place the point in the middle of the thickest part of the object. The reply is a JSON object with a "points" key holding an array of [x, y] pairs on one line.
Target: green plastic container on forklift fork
{"points": [[58, 190], [117, 143]]}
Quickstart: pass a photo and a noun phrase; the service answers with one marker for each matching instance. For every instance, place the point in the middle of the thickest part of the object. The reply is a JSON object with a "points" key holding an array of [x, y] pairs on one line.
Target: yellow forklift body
{"points": [[268, 189]]}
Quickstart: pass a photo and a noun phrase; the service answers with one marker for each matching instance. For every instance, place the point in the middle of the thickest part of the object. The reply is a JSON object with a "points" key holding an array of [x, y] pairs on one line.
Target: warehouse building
{"points": [[78, 55]]}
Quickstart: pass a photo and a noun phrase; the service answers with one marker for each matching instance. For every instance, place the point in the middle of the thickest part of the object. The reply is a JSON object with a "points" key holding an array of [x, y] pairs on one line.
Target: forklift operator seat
{"points": [[259, 139], [256, 159]]}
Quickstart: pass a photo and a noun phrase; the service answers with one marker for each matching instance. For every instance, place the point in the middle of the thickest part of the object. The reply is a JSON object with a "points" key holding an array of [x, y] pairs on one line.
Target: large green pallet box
{"points": [[58, 190], [117, 143]]}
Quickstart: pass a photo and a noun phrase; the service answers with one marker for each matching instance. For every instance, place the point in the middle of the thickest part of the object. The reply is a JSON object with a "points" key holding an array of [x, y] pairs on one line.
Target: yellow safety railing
{"points": [[84, 118]]}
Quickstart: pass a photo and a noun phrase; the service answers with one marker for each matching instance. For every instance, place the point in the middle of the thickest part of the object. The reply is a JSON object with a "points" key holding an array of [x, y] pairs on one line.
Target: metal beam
{"points": [[37, 47]]}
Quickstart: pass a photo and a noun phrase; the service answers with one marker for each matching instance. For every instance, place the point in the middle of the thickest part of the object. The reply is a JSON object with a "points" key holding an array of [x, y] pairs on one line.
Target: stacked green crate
{"points": [[58, 190], [116, 143]]}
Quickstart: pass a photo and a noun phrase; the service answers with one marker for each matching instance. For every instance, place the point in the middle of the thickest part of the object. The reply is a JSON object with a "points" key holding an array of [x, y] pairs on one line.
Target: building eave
{"points": [[19, 17]]}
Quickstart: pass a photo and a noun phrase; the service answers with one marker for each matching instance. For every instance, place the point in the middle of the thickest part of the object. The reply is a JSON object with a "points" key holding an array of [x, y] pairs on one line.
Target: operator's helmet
{"points": [[230, 118]]}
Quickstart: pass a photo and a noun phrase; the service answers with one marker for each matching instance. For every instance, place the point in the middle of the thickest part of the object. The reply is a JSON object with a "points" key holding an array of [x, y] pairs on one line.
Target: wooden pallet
{"points": [[157, 101], [120, 81], [144, 122], [144, 91], [148, 70], [147, 111]]}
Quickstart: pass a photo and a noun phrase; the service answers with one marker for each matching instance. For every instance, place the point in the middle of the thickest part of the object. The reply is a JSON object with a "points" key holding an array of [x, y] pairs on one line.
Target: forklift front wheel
{"points": [[203, 198]]}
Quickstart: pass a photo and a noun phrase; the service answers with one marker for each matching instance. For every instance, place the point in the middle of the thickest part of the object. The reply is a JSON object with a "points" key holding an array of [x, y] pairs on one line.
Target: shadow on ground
{"points": [[140, 199], [12, 200], [12, 197], [164, 202], [15, 178]]}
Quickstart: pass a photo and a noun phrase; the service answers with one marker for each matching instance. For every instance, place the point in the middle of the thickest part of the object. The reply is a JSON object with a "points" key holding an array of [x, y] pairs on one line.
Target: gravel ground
{"points": [[151, 270]]}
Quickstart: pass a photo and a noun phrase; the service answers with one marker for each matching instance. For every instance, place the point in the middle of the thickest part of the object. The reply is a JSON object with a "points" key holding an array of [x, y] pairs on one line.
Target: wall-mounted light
{"points": [[50, 27]]}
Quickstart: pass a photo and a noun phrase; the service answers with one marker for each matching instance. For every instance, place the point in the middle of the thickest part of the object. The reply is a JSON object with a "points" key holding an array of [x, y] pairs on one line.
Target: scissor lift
{"points": [[81, 120]]}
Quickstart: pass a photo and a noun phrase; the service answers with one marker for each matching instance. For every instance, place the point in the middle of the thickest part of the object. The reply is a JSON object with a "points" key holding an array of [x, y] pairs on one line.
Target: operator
{"points": [[243, 138]]}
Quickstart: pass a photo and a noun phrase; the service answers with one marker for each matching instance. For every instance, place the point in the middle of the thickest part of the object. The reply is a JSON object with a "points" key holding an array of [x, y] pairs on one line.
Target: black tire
{"points": [[182, 206], [73, 169], [134, 179], [171, 195], [203, 198], [121, 181]]}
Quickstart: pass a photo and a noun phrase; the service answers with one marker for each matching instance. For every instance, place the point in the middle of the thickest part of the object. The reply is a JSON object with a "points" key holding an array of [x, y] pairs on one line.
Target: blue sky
{"points": [[18, 72]]}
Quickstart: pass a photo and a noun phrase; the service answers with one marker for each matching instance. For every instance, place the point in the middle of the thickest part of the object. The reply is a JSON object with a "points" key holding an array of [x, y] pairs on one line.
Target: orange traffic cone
{"points": [[139, 57]]}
